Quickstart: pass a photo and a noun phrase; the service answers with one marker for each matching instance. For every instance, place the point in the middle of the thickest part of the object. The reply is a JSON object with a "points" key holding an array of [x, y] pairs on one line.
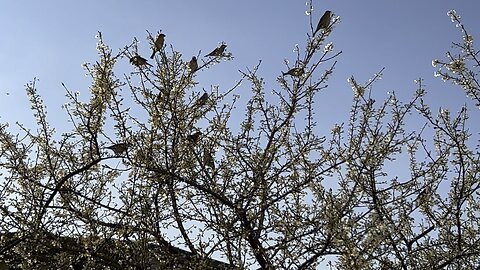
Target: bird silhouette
{"points": [[193, 65], [208, 158], [195, 137], [118, 148], [218, 51], [201, 100], [324, 21], [138, 61], [295, 72], [158, 44]]}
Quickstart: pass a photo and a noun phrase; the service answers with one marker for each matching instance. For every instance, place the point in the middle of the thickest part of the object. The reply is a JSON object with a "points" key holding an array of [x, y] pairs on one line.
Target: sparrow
{"points": [[118, 148], [295, 72], [193, 65], [195, 137], [208, 158], [218, 51], [138, 61], [324, 21], [201, 100], [158, 44]]}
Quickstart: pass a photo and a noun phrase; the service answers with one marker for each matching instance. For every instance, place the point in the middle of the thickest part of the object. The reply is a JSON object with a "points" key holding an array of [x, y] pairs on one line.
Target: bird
{"points": [[195, 137], [193, 65], [218, 51], [118, 148], [295, 72], [201, 100], [138, 61], [158, 44], [324, 21], [208, 158]]}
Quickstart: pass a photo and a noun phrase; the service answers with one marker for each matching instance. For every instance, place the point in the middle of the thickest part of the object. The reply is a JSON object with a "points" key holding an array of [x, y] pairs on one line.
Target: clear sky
{"points": [[50, 40]]}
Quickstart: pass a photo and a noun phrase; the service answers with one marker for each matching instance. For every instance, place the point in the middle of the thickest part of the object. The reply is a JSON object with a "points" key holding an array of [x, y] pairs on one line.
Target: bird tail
{"points": [[153, 54]]}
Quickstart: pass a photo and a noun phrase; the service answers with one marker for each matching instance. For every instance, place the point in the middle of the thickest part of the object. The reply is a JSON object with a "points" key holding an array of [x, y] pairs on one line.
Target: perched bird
{"points": [[201, 100], [218, 51], [193, 65], [195, 137], [295, 72], [208, 158], [118, 148], [158, 44], [138, 61], [324, 21]]}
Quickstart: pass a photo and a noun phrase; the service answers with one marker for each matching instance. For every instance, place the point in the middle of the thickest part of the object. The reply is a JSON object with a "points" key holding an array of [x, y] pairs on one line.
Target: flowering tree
{"points": [[180, 186], [461, 67]]}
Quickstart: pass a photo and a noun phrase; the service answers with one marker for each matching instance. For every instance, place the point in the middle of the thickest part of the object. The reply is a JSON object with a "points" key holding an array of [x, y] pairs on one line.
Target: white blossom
{"points": [[335, 130], [456, 66], [328, 47], [452, 14], [444, 113], [468, 40]]}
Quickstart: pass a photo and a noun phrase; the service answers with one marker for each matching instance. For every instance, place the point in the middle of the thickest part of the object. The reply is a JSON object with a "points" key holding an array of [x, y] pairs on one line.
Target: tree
{"points": [[184, 188]]}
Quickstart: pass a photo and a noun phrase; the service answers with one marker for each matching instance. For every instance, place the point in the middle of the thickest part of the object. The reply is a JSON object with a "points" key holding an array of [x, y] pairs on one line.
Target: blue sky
{"points": [[50, 40]]}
